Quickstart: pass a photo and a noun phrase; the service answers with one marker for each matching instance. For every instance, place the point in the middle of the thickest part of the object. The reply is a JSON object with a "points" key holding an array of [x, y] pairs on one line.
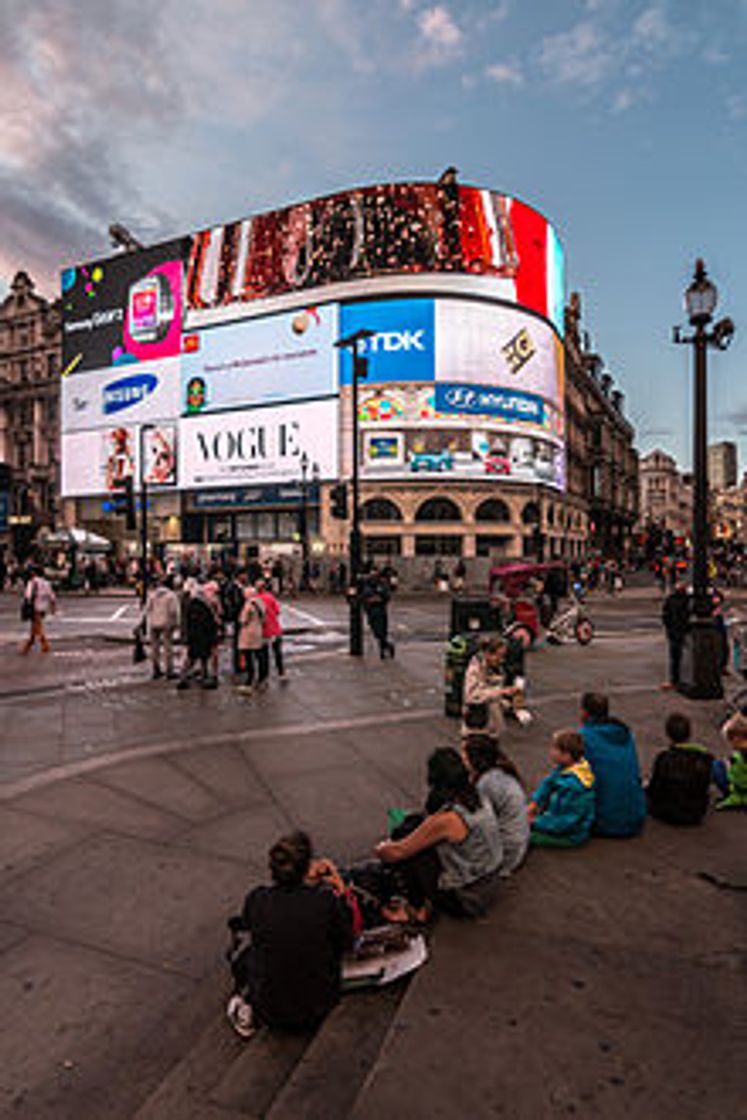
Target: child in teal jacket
{"points": [[561, 810]]}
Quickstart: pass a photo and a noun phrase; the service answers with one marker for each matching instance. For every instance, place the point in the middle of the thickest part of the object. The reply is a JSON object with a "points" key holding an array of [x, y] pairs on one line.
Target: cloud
{"points": [[738, 418], [736, 106], [715, 56], [440, 37], [578, 57], [505, 73]]}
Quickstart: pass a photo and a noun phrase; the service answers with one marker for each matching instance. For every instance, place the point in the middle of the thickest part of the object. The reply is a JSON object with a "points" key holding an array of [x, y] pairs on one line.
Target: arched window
{"points": [[380, 509], [530, 514], [551, 514], [438, 509], [493, 510]]}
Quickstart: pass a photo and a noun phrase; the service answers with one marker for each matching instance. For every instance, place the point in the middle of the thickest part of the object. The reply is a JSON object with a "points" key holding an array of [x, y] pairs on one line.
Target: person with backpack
{"points": [[232, 600]]}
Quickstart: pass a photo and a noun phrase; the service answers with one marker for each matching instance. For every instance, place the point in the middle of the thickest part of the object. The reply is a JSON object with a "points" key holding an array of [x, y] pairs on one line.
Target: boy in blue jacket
{"points": [[561, 810], [610, 750]]}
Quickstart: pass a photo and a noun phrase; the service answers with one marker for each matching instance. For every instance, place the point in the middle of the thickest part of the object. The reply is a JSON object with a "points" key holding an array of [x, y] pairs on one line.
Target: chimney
{"points": [[606, 382]]}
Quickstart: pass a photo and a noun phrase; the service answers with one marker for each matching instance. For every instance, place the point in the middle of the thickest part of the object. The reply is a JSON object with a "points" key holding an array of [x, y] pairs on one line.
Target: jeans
{"points": [[162, 640], [676, 646]]}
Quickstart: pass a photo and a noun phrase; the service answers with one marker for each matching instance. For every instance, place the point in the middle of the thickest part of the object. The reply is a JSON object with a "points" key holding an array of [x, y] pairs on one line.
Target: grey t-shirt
{"points": [[508, 801], [479, 854]]}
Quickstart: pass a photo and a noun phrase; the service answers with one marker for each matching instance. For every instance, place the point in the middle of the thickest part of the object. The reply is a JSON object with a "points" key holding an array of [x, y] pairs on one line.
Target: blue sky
{"points": [[625, 122]]}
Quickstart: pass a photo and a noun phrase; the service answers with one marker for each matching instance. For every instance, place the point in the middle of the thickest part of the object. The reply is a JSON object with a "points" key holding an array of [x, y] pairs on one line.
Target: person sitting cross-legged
{"points": [[610, 749], [561, 809], [681, 775]]}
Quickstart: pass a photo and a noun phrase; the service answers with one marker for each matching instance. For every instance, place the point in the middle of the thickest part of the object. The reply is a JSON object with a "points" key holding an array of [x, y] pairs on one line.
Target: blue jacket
{"points": [[565, 803], [621, 803]]}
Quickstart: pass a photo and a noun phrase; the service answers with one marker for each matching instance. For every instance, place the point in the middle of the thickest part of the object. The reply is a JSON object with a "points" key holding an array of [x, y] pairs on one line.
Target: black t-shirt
{"points": [[678, 790], [299, 934]]}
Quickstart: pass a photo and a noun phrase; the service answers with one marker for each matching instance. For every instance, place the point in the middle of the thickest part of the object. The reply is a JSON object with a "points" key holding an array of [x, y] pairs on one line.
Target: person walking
{"points": [[374, 593], [251, 640], [161, 619], [38, 601], [675, 614], [201, 627]]}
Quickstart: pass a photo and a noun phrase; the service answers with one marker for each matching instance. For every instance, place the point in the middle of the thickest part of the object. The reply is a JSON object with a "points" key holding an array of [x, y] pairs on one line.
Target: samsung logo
{"points": [[128, 391]]}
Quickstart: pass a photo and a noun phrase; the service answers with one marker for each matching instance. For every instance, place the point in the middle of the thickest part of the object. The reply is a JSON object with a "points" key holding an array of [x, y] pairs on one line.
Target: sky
{"points": [[623, 121]]}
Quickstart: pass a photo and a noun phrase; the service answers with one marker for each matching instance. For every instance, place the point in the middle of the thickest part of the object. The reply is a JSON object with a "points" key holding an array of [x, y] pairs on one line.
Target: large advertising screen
{"points": [[259, 445], [124, 309], [258, 361], [121, 395], [99, 461], [379, 231], [477, 394]]}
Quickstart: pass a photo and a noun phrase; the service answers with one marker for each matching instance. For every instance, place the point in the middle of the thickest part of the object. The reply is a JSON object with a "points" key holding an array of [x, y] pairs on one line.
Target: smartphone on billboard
{"points": [[150, 308]]}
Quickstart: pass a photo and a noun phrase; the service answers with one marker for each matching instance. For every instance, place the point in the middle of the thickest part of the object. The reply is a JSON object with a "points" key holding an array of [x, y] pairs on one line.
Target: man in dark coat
{"points": [[375, 593], [675, 614]]}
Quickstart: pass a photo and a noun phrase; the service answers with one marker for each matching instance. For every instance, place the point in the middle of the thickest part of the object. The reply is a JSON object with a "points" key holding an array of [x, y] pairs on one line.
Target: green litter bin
{"points": [[458, 652]]}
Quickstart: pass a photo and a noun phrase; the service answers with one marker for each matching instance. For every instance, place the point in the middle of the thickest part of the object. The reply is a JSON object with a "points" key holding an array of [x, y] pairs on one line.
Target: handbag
{"points": [[27, 610]]}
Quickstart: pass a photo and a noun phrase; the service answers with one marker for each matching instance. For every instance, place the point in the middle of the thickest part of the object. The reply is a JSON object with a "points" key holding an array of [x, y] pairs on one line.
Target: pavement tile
{"points": [[11, 935], [162, 784], [245, 836], [72, 1019], [26, 840], [224, 772], [78, 800], [304, 753], [166, 906]]}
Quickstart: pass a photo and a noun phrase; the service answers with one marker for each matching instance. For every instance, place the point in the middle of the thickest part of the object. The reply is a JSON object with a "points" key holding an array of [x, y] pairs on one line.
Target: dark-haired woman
{"points": [[289, 976], [497, 781], [451, 859]]}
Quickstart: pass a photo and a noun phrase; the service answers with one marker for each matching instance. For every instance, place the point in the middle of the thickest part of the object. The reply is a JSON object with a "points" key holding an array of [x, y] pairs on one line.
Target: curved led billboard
{"points": [[387, 230]]}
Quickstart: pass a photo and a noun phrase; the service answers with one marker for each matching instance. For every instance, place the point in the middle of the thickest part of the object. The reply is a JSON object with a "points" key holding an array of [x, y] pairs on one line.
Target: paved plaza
{"points": [[604, 983]]}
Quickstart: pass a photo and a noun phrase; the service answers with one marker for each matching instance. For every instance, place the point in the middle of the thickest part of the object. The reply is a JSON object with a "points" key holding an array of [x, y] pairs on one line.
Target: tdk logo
{"points": [[128, 391], [392, 342]]}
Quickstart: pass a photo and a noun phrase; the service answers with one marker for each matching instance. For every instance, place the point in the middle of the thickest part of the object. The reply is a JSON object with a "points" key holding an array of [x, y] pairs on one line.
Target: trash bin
{"points": [[459, 650], [475, 616]]}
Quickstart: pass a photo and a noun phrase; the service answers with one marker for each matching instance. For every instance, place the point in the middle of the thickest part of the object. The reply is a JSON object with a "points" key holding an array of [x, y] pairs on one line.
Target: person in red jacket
{"points": [[272, 630]]}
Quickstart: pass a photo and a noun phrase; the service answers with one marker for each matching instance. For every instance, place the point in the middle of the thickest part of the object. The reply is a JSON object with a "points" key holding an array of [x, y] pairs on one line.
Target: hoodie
{"points": [[610, 749], [565, 803]]}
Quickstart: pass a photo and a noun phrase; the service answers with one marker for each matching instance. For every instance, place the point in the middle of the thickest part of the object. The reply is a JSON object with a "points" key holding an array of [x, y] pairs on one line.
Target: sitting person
{"points": [[497, 781], [289, 976], [680, 777], [489, 681], [450, 859], [561, 809], [610, 750], [731, 776]]}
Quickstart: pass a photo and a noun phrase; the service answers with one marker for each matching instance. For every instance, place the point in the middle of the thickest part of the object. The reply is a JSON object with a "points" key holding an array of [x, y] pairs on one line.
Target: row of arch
{"points": [[444, 509]]}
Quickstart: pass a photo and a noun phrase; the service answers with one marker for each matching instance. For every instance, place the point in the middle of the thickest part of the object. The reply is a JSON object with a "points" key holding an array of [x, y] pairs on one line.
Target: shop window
{"points": [[380, 509], [496, 545], [439, 509], [438, 546], [382, 546], [493, 510]]}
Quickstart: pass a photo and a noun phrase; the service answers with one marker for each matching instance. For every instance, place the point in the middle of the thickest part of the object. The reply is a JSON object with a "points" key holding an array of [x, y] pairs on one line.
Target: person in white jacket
{"points": [[162, 618], [39, 601]]}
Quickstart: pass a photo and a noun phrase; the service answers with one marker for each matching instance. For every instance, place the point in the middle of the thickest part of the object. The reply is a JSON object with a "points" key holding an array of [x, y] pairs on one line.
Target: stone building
{"points": [[722, 465], [666, 495], [30, 348]]}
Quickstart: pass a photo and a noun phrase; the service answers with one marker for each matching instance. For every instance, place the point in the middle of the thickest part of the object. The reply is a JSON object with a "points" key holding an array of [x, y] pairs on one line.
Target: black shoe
{"points": [[211, 682], [157, 674], [182, 685], [391, 650]]}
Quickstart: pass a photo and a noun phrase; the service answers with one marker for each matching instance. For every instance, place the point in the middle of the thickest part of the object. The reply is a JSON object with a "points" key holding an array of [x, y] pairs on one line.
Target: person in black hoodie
{"points": [[675, 614], [680, 777], [289, 975]]}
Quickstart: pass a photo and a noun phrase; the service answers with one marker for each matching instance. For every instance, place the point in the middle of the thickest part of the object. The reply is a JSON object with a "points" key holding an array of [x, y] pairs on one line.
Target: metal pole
{"points": [[700, 493], [356, 615], [304, 581], [143, 519]]}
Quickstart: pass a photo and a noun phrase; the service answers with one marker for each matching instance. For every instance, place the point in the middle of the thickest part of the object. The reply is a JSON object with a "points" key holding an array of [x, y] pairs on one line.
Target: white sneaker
{"points": [[524, 717], [239, 1014]]}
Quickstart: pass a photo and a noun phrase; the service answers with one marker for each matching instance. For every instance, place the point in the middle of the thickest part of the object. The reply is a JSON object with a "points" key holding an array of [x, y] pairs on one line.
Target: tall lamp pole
{"points": [[701, 298], [143, 513], [353, 343]]}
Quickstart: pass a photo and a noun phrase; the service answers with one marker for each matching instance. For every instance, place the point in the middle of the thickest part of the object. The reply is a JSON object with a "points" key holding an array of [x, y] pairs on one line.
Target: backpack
{"points": [[233, 601]]}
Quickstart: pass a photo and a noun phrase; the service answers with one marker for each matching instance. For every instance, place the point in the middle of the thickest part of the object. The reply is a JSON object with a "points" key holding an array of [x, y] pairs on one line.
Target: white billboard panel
{"points": [[98, 461], [125, 395], [260, 361], [259, 445]]}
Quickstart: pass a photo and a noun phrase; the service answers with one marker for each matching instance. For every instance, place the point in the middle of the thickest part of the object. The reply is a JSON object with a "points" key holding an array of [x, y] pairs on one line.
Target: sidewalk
{"points": [[604, 983]]}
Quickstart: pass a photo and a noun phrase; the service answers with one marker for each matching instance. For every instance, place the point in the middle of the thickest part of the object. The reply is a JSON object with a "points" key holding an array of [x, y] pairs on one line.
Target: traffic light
{"points": [[339, 501], [124, 501]]}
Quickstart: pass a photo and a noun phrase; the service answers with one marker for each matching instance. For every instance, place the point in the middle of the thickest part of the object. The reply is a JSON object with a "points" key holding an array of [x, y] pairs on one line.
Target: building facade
{"points": [[30, 348], [666, 495], [722, 465]]}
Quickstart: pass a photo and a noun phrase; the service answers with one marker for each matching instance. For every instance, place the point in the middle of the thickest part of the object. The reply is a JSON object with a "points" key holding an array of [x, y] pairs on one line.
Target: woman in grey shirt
{"points": [[498, 783]]}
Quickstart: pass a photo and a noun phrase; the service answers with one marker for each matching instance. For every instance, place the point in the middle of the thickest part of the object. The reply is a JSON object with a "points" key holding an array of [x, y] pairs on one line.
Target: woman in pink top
{"points": [[272, 631]]}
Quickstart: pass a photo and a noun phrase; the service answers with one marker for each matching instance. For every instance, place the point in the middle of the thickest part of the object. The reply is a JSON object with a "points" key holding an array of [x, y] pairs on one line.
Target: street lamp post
{"points": [[705, 657], [360, 370], [303, 528], [143, 512]]}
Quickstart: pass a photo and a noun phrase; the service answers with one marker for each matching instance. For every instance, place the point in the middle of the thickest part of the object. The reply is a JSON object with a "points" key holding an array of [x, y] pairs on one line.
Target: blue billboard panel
{"points": [[477, 400], [403, 346]]}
